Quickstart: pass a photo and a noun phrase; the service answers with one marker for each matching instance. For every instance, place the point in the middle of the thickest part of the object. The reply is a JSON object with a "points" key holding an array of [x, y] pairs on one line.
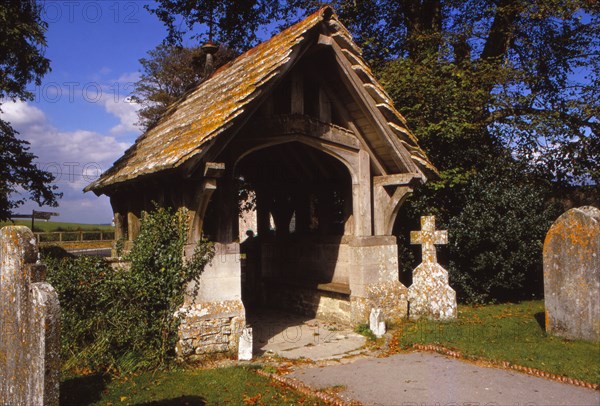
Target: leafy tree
{"points": [[521, 75], [21, 62], [168, 73], [232, 23], [496, 220]]}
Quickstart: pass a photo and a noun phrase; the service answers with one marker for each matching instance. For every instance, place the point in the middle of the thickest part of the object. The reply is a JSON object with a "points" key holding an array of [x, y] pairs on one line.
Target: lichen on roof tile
{"points": [[212, 108]]}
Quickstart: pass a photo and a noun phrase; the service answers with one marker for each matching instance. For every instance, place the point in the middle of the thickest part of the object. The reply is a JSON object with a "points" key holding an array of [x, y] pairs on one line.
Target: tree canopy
{"points": [[524, 75], [22, 38], [168, 73], [235, 24]]}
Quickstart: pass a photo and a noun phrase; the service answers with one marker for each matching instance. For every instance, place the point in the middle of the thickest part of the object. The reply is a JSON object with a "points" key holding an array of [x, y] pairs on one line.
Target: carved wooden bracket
{"points": [[389, 193]]}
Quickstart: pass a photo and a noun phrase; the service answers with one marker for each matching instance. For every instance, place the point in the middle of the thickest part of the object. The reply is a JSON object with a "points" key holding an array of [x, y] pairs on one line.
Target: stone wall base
{"points": [[210, 328], [313, 302], [391, 297]]}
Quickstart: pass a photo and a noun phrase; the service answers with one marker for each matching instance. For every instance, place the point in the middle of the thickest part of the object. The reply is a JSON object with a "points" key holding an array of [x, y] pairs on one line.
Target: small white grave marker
{"points": [[245, 345], [376, 323]]}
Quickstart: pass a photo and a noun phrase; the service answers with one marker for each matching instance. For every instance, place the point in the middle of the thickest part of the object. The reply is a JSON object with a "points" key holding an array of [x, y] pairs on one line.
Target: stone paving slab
{"points": [[416, 379], [294, 337]]}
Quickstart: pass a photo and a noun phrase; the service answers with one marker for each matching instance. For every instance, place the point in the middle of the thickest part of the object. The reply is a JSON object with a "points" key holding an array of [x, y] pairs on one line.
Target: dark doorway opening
{"points": [[303, 203]]}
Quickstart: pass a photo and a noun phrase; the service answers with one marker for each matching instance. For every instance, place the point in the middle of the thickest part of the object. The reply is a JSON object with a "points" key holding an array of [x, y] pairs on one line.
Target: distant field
{"points": [[43, 226]]}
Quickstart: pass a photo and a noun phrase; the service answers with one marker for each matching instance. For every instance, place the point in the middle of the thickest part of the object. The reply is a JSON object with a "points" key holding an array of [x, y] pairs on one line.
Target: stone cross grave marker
{"points": [[29, 324], [572, 275], [430, 295]]}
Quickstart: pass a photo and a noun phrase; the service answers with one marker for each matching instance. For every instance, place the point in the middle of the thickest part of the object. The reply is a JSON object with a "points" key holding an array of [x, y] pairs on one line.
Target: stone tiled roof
{"points": [[212, 108]]}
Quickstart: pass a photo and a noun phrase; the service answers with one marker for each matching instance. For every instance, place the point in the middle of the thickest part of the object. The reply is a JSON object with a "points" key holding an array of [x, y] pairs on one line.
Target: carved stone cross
{"points": [[428, 237]]}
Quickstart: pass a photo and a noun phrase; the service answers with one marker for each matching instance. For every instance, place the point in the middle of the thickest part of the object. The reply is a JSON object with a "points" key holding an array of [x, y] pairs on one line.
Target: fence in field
{"points": [[73, 236]]}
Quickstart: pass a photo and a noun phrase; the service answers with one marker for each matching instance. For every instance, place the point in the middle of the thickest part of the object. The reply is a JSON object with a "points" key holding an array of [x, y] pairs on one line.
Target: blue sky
{"points": [[81, 119]]}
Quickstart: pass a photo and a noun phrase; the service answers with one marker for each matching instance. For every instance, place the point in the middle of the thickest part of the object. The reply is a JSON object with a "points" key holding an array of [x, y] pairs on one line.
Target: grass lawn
{"points": [[224, 386], [49, 226], [507, 332]]}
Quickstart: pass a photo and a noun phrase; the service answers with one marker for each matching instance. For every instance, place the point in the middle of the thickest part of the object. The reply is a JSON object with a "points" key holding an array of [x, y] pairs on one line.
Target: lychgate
{"points": [[300, 123]]}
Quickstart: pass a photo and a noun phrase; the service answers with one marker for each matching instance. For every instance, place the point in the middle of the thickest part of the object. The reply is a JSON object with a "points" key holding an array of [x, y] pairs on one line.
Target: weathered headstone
{"points": [[430, 295], [572, 275], [376, 323], [29, 324], [245, 345]]}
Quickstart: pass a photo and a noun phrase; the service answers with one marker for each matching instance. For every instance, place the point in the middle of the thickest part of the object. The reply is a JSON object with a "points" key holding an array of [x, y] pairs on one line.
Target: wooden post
{"points": [[263, 210], [297, 93], [227, 220], [133, 225], [325, 209], [361, 196], [200, 204], [302, 208], [324, 107], [119, 226], [119, 206]]}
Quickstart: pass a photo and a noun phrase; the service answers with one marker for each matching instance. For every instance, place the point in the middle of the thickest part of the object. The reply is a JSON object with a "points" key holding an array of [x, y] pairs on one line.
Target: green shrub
{"points": [[84, 286], [364, 330], [496, 219], [54, 251], [122, 320]]}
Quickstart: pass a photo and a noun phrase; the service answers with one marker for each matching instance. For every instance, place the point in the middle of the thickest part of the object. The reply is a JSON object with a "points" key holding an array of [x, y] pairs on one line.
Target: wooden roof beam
{"points": [[401, 179], [356, 87], [348, 118]]}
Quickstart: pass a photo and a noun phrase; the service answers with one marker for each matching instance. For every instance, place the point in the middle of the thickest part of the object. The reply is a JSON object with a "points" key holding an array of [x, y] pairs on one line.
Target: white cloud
{"points": [[77, 157], [117, 101], [105, 70], [74, 157], [125, 110], [21, 114]]}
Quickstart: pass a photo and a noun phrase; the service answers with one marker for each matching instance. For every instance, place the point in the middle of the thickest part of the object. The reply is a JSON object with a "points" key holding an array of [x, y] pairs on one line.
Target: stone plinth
{"points": [[209, 328], [213, 315], [374, 281], [572, 275], [430, 294], [29, 324]]}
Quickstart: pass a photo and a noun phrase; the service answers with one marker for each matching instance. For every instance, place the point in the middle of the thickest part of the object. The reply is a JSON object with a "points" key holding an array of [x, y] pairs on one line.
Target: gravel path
{"points": [[416, 379]]}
